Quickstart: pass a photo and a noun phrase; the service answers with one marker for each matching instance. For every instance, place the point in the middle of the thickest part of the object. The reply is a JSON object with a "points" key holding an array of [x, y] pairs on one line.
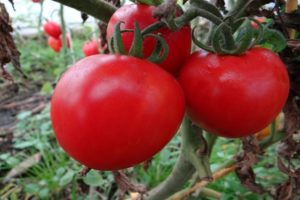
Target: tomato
{"points": [[56, 44], [52, 29], [91, 48], [111, 112], [36, 1], [234, 96], [179, 42]]}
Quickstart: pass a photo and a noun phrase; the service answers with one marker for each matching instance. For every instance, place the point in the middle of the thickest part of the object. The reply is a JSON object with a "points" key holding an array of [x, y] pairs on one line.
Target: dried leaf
{"points": [[125, 185], [284, 192], [12, 4], [84, 17], [8, 50], [244, 164], [23, 166]]}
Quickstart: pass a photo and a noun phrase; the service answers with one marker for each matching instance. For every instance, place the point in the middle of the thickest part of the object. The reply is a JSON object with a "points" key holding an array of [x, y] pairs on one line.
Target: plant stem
{"points": [[189, 161], [64, 38], [96, 8], [181, 173]]}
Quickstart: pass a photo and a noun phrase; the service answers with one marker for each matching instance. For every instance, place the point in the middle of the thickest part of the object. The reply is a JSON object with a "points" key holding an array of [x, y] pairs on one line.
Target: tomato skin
{"points": [[52, 29], [179, 42], [234, 96], [90, 48], [111, 112]]}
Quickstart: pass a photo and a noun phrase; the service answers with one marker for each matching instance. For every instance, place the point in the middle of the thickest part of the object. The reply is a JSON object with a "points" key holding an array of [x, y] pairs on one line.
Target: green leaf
{"points": [[23, 115], [32, 188], [273, 39], [93, 178], [67, 178], [47, 88]]}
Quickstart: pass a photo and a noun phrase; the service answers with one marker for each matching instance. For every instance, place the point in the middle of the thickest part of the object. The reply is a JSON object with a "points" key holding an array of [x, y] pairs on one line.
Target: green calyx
{"points": [[116, 44], [231, 34], [150, 2], [224, 41]]}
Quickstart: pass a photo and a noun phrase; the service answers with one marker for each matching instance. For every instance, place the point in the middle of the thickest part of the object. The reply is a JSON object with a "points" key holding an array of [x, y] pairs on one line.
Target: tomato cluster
{"points": [[114, 111], [53, 30]]}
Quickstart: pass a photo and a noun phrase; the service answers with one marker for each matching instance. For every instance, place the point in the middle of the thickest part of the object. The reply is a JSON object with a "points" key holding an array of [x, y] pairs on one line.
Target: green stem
{"points": [[97, 8], [181, 173], [189, 161], [40, 35], [64, 38]]}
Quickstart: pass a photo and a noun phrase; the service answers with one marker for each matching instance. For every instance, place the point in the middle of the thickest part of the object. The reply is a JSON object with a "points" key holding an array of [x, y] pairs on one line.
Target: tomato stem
{"points": [[189, 161]]}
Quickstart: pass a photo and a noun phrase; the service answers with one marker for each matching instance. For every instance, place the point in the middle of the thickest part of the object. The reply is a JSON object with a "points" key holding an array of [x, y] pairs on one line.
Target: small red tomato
{"points": [[234, 96], [52, 29], [111, 112], [36, 1], [56, 44], [179, 41], [91, 48]]}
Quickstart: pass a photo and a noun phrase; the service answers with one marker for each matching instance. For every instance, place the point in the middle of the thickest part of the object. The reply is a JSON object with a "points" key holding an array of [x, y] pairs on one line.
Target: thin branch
{"points": [[96, 8]]}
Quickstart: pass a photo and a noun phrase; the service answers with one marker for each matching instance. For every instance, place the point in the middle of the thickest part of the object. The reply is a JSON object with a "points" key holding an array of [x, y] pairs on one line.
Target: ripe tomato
{"points": [[90, 48], [234, 96], [36, 1], [56, 44], [112, 111], [179, 42], [52, 29]]}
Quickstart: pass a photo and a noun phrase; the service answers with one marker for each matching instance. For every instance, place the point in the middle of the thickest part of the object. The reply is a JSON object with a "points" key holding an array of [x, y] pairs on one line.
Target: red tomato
{"points": [[91, 48], [36, 1], [111, 111], [56, 44], [179, 42], [234, 96], [52, 29]]}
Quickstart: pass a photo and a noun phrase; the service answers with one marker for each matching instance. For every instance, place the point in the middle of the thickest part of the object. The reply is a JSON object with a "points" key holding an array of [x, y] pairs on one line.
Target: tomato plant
{"points": [[260, 20], [91, 48], [111, 112], [52, 29], [179, 42], [234, 96]]}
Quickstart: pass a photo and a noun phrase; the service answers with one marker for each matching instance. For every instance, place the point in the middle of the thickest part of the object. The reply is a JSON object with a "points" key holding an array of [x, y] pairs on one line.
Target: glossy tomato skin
{"points": [[179, 42], [111, 112], [234, 96], [90, 48], [52, 29]]}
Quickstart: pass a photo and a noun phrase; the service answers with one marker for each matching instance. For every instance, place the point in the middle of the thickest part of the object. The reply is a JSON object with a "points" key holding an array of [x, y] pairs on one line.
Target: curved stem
{"points": [[64, 38], [189, 161], [97, 8], [181, 173]]}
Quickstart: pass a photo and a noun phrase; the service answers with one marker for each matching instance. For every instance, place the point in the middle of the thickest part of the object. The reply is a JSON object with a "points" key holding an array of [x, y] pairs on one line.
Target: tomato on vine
{"points": [[52, 29], [56, 44], [234, 96], [179, 41], [91, 48], [112, 111]]}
